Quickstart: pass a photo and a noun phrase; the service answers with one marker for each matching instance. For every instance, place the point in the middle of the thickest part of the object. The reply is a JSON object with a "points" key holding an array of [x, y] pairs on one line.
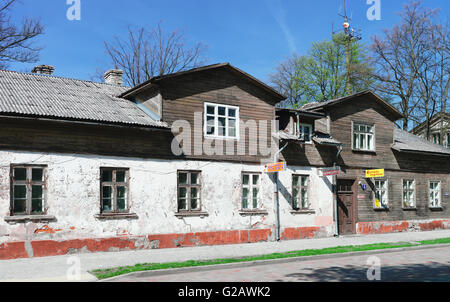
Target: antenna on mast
{"points": [[351, 35]]}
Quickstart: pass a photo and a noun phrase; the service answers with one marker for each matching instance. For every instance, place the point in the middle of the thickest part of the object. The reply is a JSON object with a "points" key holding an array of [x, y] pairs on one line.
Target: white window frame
{"points": [[408, 192], [371, 148], [299, 187], [301, 133], [437, 196], [251, 187], [384, 205], [216, 121]]}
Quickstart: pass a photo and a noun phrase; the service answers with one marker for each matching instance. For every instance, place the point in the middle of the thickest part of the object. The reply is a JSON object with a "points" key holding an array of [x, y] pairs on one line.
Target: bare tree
{"points": [[145, 54], [283, 80], [16, 41], [411, 63]]}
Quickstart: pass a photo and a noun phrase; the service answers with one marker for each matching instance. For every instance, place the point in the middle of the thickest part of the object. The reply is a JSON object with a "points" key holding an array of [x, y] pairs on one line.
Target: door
{"points": [[346, 206]]}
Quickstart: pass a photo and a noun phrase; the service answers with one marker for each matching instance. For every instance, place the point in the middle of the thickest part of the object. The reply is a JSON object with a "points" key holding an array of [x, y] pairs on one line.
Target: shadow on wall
{"points": [[430, 272]]}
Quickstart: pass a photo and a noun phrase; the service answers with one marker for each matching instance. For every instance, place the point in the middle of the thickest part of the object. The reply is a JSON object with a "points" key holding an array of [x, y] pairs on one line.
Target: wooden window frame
{"points": [[216, 121], [375, 195], [251, 187], [29, 183], [439, 195], [359, 123], [301, 135], [114, 184], [299, 187], [188, 187], [414, 191]]}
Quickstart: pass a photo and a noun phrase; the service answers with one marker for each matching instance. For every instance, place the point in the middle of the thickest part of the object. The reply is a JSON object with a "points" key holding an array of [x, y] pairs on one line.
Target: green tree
{"points": [[322, 74]]}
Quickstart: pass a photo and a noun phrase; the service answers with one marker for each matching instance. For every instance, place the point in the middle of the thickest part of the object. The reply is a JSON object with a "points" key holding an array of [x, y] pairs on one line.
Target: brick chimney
{"points": [[114, 77], [43, 69]]}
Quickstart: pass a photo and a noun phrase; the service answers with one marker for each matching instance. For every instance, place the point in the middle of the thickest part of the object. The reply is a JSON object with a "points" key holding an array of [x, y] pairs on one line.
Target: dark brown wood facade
{"points": [[399, 166]]}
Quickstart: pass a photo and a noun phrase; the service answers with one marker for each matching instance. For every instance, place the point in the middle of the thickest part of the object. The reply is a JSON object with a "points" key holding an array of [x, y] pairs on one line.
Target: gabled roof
{"points": [[312, 114], [276, 95], [407, 142], [37, 95], [434, 119], [326, 104]]}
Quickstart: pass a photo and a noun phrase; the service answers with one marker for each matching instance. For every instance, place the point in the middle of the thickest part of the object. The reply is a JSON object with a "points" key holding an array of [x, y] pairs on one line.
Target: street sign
{"points": [[329, 171], [276, 167], [375, 173]]}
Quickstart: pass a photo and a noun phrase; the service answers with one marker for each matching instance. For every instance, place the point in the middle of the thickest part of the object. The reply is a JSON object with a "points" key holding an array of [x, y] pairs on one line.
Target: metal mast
{"points": [[351, 35]]}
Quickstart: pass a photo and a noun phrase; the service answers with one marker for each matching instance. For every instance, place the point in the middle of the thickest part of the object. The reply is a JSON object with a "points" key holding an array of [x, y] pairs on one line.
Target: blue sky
{"points": [[253, 35]]}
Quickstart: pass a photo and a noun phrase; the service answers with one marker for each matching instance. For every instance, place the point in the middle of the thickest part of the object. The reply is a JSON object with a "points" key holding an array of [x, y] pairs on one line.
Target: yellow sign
{"points": [[375, 173], [377, 203], [277, 167]]}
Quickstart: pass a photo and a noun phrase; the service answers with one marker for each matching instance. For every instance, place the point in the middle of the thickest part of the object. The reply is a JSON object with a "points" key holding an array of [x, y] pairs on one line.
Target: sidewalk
{"points": [[54, 269]]}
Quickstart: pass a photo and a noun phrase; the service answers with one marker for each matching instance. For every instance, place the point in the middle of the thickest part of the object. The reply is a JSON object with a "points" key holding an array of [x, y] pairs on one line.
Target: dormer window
{"points": [[363, 137], [221, 121], [304, 132]]}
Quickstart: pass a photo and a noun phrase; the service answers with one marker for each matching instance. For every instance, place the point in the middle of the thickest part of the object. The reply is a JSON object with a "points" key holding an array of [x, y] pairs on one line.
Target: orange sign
{"points": [[277, 167]]}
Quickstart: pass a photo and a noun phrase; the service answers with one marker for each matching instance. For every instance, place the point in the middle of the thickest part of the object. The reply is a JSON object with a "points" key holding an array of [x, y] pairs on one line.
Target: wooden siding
{"points": [[396, 212], [186, 95], [19, 134]]}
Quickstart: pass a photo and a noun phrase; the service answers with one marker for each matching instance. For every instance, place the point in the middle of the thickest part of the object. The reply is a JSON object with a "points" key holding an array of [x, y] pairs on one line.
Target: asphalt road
{"points": [[429, 265]]}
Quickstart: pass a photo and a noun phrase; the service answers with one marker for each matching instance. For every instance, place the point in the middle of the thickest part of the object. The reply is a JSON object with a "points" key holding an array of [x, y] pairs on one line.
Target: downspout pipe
{"points": [[276, 197], [335, 191]]}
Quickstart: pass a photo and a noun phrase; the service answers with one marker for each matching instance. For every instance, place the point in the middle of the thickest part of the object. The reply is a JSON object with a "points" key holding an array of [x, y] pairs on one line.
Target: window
{"points": [[381, 194], [305, 132], [409, 188], [28, 187], [363, 137], [189, 188], [300, 185], [436, 138], [250, 191], [114, 187], [448, 140], [221, 121], [435, 194]]}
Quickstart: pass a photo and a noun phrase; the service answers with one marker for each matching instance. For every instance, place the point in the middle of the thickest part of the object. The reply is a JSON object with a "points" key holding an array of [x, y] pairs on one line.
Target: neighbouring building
{"points": [[439, 129], [414, 192], [180, 161]]}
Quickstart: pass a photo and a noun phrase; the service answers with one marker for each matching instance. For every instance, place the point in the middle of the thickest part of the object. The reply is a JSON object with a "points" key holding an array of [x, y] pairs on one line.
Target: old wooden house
{"points": [[180, 161]]}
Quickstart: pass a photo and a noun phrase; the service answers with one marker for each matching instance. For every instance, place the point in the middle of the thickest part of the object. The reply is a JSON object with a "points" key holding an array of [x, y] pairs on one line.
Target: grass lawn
{"points": [[112, 272]]}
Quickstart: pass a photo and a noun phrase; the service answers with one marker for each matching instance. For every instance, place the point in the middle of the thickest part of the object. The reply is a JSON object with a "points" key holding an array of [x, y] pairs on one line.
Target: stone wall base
{"points": [[381, 227], [45, 248]]}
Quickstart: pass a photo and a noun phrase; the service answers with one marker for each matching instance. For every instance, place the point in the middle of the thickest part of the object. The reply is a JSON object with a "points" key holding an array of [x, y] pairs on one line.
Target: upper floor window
{"points": [[189, 188], [363, 137], [221, 121], [409, 189], [28, 186], [250, 191], [381, 194], [114, 185], [436, 138], [305, 132], [435, 194]]}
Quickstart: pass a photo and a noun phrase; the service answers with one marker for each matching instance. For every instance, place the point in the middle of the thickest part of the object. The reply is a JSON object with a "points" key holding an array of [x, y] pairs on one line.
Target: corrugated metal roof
{"points": [[63, 98], [407, 142]]}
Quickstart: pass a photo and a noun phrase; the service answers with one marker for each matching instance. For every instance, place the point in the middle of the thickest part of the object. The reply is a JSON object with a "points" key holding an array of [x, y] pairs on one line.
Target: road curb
{"points": [[173, 271]]}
